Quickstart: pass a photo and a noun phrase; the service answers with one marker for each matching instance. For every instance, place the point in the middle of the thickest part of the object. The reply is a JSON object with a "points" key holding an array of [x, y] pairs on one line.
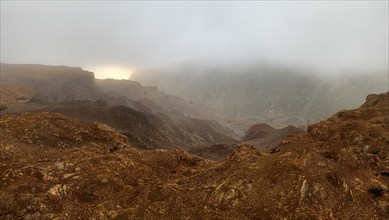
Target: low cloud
{"points": [[327, 35]]}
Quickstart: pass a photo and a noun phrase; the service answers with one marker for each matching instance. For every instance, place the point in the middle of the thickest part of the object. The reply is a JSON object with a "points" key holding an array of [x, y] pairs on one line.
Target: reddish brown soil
{"points": [[53, 167], [15, 93]]}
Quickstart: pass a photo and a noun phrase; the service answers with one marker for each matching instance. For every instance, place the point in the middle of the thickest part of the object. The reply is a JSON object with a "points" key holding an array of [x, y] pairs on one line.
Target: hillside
{"points": [[57, 84], [147, 117], [277, 94], [146, 130], [16, 93], [339, 170], [261, 136], [173, 106], [264, 137], [11, 94], [52, 83], [155, 99]]}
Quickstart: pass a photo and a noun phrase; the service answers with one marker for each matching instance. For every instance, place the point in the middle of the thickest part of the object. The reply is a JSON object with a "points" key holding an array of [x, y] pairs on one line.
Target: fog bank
{"points": [[323, 34]]}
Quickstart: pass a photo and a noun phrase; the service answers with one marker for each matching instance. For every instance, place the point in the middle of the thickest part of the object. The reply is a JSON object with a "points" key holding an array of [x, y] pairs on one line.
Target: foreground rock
{"points": [[336, 171]]}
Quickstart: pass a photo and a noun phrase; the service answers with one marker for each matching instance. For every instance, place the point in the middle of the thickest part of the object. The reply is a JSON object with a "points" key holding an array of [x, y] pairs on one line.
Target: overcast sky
{"points": [[131, 35]]}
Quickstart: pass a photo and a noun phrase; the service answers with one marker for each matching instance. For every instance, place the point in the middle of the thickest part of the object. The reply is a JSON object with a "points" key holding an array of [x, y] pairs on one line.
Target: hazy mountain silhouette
{"points": [[267, 91]]}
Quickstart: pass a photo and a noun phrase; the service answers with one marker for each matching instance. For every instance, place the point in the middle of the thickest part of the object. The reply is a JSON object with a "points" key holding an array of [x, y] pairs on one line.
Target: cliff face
{"points": [[52, 83], [62, 168]]}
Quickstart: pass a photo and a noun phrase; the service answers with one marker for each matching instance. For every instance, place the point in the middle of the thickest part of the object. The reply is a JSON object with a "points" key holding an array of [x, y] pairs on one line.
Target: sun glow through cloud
{"points": [[113, 72]]}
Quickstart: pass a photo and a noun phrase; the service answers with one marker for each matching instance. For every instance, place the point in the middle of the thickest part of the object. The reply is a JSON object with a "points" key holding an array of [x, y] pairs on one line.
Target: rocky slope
{"points": [[217, 152], [261, 136], [16, 93], [264, 137], [53, 167], [155, 99], [146, 130], [143, 130], [148, 117], [12, 94], [173, 106]]}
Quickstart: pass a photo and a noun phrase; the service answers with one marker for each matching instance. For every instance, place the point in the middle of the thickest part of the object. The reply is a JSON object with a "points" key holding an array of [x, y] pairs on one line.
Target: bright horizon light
{"points": [[112, 72]]}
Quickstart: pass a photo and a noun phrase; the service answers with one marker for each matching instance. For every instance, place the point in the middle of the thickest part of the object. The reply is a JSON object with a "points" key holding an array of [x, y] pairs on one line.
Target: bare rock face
{"points": [[328, 173]]}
